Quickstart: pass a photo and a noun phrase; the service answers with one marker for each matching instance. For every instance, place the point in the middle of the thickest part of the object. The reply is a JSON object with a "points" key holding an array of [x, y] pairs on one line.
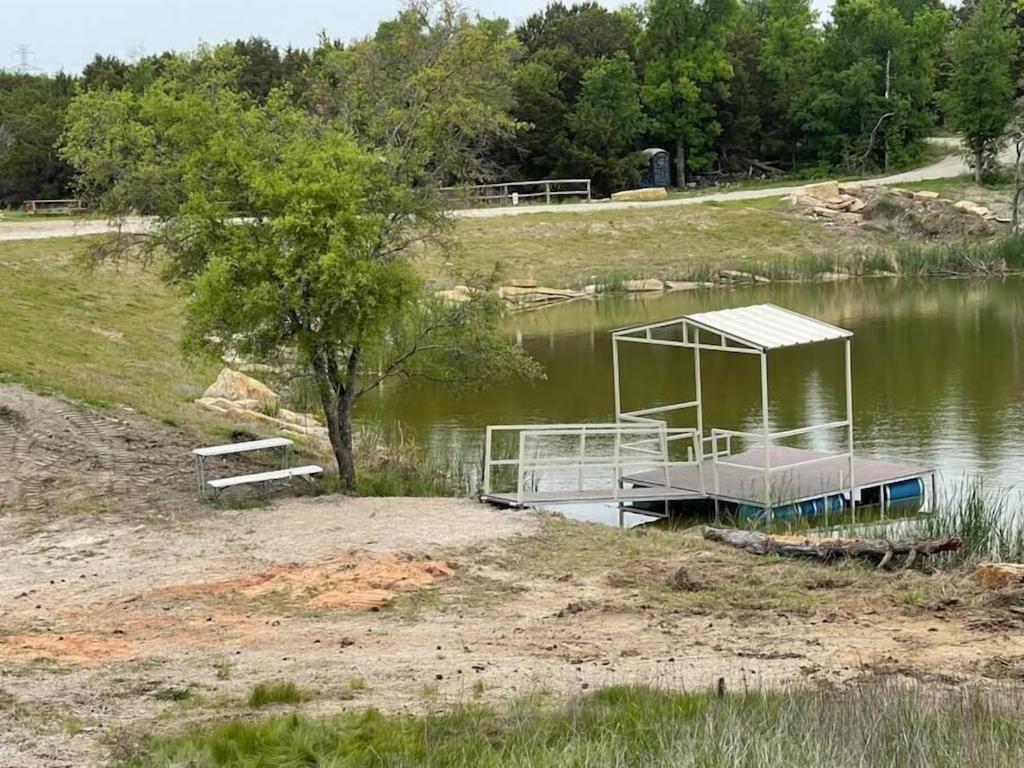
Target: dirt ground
{"points": [[126, 606]]}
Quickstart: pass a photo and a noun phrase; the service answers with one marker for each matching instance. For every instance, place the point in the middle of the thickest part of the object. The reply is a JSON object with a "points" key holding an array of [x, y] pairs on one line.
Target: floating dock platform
{"points": [[639, 458]]}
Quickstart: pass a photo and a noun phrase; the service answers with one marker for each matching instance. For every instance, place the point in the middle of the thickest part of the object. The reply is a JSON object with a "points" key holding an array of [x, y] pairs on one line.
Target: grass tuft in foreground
{"points": [[268, 694], [873, 724]]}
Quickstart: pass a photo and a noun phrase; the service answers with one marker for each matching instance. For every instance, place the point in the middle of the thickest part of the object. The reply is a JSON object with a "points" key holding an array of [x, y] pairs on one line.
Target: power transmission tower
{"points": [[25, 57]]}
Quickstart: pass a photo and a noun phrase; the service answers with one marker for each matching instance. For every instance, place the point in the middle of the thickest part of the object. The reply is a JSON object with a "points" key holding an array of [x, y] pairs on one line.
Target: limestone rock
{"points": [[823, 190], [642, 195], [833, 277], [926, 195], [538, 294], [523, 282], [735, 276], [641, 286], [456, 295], [999, 575], [684, 285], [235, 386], [299, 419]]}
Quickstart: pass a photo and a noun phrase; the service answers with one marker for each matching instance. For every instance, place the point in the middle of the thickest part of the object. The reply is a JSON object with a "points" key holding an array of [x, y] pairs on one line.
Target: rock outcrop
{"points": [[641, 195], [234, 386], [238, 398]]}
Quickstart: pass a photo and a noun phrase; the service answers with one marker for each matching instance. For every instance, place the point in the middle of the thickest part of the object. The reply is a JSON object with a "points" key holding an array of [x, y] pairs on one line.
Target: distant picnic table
{"points": [[66, 205]]}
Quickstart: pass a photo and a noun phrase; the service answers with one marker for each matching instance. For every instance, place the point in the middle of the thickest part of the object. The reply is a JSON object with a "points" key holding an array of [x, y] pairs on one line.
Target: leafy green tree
{"points": [[105, 72], [432, 84], [32, 109], [289, 234], [542, 138], [686, 68], [561, 44], [871, 102], [980, 99], [607, 122]]}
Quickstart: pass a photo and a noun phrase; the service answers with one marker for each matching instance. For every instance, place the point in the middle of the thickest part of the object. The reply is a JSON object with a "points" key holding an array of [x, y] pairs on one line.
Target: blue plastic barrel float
{"points": [[904, 490], [809, 508]]}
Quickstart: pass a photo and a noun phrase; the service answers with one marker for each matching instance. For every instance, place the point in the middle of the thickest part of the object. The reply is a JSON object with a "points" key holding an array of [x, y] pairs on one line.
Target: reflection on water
{"points": [[938, 373]]}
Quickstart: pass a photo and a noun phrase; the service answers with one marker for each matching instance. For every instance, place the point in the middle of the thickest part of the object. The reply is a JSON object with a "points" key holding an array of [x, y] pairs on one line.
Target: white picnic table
{"points": [[249, 446]]}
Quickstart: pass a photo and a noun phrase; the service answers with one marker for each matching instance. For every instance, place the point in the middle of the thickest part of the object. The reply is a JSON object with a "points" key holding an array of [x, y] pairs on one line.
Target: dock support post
{"points": [[767, 439], [849, 427], [487, 460], [615, 376], [699, 393]]}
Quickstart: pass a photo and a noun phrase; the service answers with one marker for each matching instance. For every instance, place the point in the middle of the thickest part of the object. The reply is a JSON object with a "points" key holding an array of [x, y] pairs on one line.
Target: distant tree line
{"points": [[723, 85]]}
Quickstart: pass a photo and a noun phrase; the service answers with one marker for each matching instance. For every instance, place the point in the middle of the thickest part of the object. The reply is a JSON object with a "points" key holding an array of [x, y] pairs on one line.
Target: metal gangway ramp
{"points": [[529, 465]]}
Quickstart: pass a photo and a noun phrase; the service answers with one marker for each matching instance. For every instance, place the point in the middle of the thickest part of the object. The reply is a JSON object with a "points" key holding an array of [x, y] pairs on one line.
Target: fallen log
{"points": [[830, 549]]}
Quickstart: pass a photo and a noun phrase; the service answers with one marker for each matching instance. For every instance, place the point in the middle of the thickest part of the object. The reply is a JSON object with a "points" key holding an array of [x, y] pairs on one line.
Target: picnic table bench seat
{"points": [[270, 443]]}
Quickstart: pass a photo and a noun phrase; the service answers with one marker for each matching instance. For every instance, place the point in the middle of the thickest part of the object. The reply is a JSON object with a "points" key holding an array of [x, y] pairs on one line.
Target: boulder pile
{"points": [[854, 203], [239, 398]]}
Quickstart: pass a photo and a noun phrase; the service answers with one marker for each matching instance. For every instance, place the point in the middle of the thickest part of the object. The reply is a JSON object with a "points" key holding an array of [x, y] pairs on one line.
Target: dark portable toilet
{"points": [[656, 170]]}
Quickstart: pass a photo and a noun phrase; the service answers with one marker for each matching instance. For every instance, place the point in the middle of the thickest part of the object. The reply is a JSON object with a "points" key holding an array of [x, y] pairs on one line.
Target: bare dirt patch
{"points": [[153, 611]]}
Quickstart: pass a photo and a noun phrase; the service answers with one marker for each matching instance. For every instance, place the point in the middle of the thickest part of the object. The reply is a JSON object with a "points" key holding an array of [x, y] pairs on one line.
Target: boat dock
{"points": [[640, 458]]}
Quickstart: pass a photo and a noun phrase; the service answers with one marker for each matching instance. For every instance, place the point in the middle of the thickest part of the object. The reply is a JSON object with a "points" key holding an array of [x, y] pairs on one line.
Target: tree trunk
{"points": [[339, 429], [979, 155], [1018, 187], [680, 163], [337, 400]]}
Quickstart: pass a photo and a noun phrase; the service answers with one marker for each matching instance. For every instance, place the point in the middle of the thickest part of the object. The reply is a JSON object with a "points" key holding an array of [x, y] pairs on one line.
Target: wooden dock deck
{"points": [[788, 485], [739, 485]]}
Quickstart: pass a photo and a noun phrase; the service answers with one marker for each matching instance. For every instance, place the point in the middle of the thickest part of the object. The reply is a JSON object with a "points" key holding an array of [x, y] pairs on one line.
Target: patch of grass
{"points": [[392, 463], [104, 336], [173, 694], [223, 670], [681, 243], [269, 694], [872, 724], [643, 565]]}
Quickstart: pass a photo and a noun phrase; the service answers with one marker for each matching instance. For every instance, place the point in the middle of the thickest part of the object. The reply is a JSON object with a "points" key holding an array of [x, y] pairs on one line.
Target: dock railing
{"points": [[609, 451], [768, 469]]}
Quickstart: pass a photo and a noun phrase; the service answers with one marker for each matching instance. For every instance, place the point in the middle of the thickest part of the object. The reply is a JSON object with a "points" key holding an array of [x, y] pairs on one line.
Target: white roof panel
{"points": [[767, 326]]}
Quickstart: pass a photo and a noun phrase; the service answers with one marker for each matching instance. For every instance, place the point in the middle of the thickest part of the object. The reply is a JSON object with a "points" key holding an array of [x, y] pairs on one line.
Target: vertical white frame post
{"points": [[767, 438], [615, 375], [699, 396], [488, 440], [849, 425]]}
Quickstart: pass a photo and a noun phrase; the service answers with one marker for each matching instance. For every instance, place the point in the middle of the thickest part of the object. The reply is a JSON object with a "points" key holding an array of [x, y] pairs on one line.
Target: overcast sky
{"points": [[64, 34]]}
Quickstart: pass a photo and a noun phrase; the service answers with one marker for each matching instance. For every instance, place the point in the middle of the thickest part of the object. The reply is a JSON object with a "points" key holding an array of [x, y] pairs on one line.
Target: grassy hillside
{"points": [[104, 336], [573, 249]]}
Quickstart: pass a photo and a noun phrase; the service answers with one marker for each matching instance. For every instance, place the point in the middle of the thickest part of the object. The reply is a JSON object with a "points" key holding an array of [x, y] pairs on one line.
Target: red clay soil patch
{"points": [[218, 613], [357, 579]]}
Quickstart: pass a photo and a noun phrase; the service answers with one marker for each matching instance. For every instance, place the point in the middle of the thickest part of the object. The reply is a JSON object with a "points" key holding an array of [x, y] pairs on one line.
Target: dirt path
{"points": [[125, 606], [947, 167]]}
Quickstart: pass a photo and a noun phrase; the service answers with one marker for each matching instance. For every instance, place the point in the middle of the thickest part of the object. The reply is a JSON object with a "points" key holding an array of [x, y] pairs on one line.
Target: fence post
{"points": [[547, 192], [588, 191]]}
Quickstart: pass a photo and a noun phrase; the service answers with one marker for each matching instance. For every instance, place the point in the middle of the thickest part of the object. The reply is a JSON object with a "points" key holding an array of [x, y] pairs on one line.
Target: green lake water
{"points": [[938, 369]]}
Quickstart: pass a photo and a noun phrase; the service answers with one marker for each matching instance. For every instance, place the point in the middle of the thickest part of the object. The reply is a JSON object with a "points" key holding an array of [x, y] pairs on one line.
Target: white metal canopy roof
{"points": [[764, 326]]}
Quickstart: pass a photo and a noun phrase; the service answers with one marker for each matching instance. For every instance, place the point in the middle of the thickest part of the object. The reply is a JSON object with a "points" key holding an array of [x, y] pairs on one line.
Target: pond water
{"points": [[938, 371]]}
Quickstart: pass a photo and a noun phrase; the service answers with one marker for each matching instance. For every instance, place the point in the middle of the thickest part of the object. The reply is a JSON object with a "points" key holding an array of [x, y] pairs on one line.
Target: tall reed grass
{"points": [[965, 257], [989, 521], [869, 724], [392, 463]]}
